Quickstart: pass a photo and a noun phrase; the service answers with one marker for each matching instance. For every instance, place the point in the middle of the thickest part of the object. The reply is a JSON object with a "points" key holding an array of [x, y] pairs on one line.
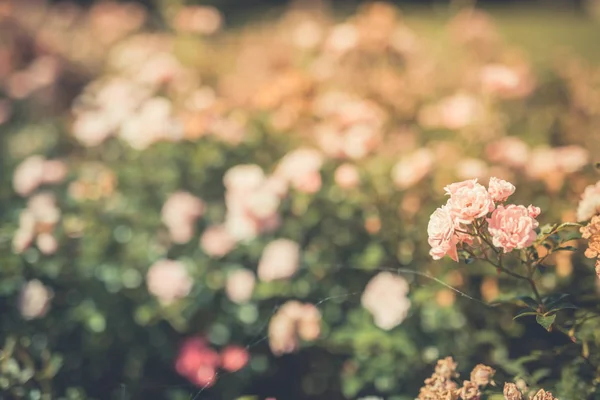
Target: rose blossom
{"points": [[509, 150], [216, 241], [590, 203], [197, 362], [301, 169], [469, 201], [500, 189], [412, 169], [240, 285], [512, 227], [34, 300], [346, 176], [168, 280], [385, 298], [441, 234], [234, 358], [28, 175], [279, 260], [292, 321], [179, 214]]}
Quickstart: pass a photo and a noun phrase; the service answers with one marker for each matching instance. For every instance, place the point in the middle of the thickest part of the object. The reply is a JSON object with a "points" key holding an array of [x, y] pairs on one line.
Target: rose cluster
{"points": [[472, 213]]}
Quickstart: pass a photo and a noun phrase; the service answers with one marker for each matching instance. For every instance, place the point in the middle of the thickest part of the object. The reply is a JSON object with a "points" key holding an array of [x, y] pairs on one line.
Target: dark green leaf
{"points": [[525, 312], [545, 321], [567, 248], [529, 301], [553, 299], [562, 306]]}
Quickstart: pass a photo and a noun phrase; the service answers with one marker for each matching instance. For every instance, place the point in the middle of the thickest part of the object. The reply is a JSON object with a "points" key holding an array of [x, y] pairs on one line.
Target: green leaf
{"points": [[562, 306], [567, 248], [553, 299], [545, 321], [525, 312], [571, 236], [529, 301], [565, 225]]}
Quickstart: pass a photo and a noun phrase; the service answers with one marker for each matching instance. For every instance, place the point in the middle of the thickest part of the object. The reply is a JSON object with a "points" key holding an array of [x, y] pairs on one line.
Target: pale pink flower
{"points": [[341, 39], [589, 205], [469, 200], [34, 171], [197, 362], [509, 150], [29, 175], [198, 19], [571, 158], [179, 214], [216, 241], [292, 321], [412, 169], [301, 168], [241, 226], [153, 122], [280, 260], [346, 176], [47, 243], [359, 140], [455, 112], [533, 211], [471, 167], [55, 171], [91, 128], [458, 111], [385, 298], [234, 358], [441, 234], [243, 178], [240, 285], [169, 280], [500, 189], [512, 227], [34, 300], [506, 82], [455, 187]]}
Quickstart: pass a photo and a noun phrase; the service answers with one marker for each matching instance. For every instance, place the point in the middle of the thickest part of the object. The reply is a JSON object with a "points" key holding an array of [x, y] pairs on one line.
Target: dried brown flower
{"points": [[446, 368], [511, 392], [543, 395], [469, 391], [592, 232], [482, 375]]}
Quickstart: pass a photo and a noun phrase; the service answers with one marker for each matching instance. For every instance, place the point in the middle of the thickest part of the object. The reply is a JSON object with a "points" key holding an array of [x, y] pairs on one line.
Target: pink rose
{"points": [[240, 285], [469, 201], [197, 362], [412, 169], [29, 175], [292, 321], [346, 176], [441, 234], [34, 300], [385, 298], [512, 227], [169, 281], [179, 214], [216, 241], [234, 358], [590, 203], [301, 169], [508, 150], [500, 189], [279, 260]]}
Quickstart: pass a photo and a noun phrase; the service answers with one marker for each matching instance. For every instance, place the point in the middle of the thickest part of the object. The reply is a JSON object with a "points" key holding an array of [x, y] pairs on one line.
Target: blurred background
{"points": [[229, 199]]}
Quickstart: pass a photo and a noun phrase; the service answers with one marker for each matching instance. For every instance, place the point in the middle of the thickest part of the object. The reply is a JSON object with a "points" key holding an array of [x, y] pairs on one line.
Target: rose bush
{"points": [[198, 211]]}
